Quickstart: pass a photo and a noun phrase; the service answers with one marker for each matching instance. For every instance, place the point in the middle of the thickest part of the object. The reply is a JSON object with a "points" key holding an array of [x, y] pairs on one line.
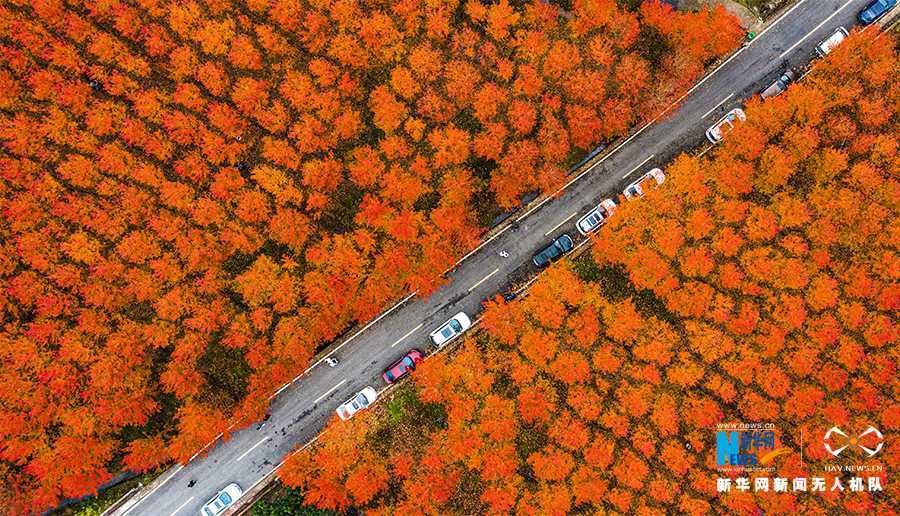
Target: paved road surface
{"points": [[301, 410]]}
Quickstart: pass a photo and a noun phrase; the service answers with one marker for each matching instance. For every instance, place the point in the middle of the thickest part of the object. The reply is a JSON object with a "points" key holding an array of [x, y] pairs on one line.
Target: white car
{"points": [[725, 125], [827, 45], [596, 217], [222, 501], [451, 329], [362, 400], [639, 187]]}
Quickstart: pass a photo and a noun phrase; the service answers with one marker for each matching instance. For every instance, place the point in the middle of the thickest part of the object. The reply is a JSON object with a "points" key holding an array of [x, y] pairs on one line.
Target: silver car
{"points": [[361, 401], [226, 497], [451, 329], [596, 217]]}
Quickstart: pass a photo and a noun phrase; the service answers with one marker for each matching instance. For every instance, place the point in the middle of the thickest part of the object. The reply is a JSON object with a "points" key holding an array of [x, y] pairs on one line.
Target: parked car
{"points": [[876, 9], [780, 84], [223, 500], [639, 187], [403, 366], [596, 217], [559, 247], [725, 125], [454, 327], [827, 45], [362, 400]]}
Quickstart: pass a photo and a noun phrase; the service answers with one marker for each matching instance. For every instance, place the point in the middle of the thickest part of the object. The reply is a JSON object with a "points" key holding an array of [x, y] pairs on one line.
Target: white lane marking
{"points": [[757, 38], [688, 92], [642, 129], [264, 439], [216, 438], [817, 27], [278, 466], [547, 198], [262, 478], [179, 468], [305, 446], [586, 241], [482, 280], [639, 166], [717, 106], [567, 219], [181, 506], [575, 179], [283, 387], [881, 25], [604, 158], [364, 328], [707, 149], [320, 398], [410, 332]]}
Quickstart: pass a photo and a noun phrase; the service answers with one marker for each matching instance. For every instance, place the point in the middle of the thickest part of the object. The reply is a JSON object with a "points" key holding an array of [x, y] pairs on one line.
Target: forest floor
{"points": [[750, 12]]}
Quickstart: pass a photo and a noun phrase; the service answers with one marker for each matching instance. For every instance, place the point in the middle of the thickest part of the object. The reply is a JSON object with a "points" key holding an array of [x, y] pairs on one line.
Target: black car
{"points": [[559, 247]]}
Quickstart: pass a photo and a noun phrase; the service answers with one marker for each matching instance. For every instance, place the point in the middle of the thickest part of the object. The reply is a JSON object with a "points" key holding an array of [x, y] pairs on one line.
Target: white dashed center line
{"points": [[181, 506], [717, 106], [817, 27], [410, 332], [639, 166], [482, 280], [567, 219], [322, 397], [264, 439]]}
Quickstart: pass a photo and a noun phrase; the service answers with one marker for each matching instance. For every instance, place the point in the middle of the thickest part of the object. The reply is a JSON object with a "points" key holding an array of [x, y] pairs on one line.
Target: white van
{"points": [[827, 45]]}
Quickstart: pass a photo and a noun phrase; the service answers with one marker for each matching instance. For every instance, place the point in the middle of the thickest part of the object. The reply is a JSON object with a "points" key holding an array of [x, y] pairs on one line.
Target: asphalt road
{"points": [[301, 410]]}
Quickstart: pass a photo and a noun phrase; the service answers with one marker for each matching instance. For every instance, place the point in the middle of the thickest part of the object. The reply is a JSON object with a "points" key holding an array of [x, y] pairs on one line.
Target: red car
{"points": [[403, 366]]}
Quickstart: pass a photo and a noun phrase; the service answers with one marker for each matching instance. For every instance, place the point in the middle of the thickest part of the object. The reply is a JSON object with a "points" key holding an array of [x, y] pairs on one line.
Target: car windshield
{"points": [[360, 401], [633, 190], [731, 117], [456, 326], [407, 362], [207, 512], [225, 499]]}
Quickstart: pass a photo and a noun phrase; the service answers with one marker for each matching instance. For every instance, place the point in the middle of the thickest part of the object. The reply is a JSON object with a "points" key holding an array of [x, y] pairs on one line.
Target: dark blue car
{"points": [[559, 247], [875, 10]]}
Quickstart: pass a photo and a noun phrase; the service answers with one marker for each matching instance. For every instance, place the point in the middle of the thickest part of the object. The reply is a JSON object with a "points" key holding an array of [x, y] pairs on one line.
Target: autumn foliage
{"points": [[759, 284], [196, 196]]}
